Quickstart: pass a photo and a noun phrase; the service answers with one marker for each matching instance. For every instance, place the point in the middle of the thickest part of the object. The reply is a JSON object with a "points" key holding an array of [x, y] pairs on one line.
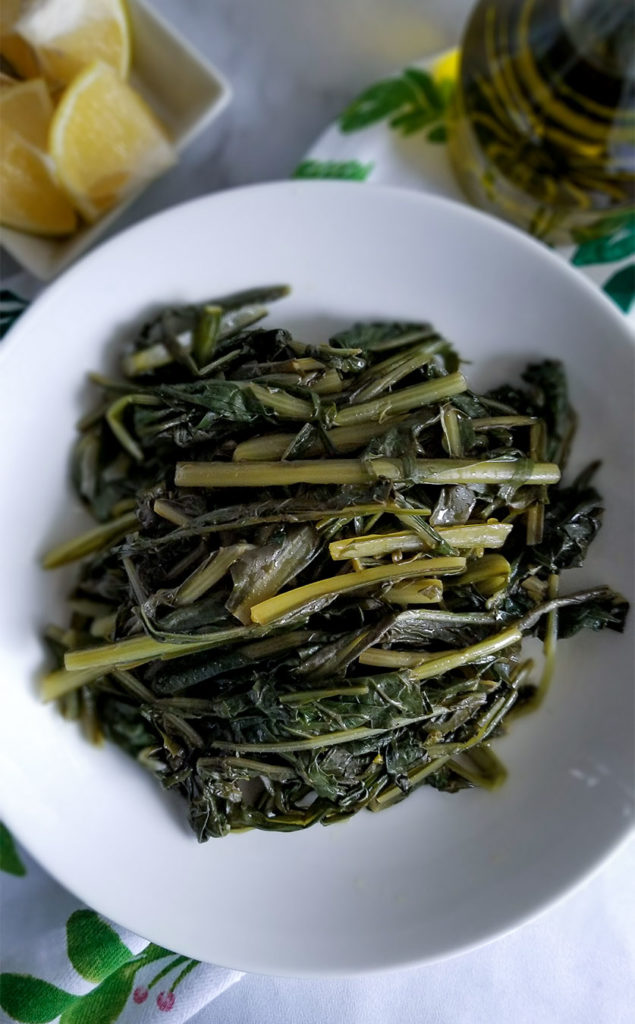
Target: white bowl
{"points": [[436, 874], [185, 92]]}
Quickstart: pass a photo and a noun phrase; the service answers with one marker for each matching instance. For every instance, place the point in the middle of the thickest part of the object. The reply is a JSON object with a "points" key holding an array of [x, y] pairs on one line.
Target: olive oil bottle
{"points": [[543, 128]]}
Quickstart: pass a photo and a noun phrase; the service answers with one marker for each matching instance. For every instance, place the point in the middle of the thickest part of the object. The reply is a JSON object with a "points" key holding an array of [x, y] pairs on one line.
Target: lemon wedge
{"points": [[29, 198], [12, 47], [105, 141], [63, 36]]}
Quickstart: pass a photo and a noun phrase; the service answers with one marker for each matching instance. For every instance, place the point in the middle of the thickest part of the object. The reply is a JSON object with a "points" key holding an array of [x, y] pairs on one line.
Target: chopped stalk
{"points": [[293, 601], [382, 657], [92, 540], [167, 510], [435, 472], [307, 696], [137, 650], [208, 574], [205, 334], [343, 439], [57, 684], [496, 422], [114, 419], [386, 374], [145, 360], [285, 405], [402, 401], [373, 546], [450, 424], [329, 739], [426, 592], [468, 655]]}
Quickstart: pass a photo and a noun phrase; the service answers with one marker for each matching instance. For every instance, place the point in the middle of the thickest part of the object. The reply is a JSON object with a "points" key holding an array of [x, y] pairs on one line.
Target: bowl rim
{"points": [[515, 237]]}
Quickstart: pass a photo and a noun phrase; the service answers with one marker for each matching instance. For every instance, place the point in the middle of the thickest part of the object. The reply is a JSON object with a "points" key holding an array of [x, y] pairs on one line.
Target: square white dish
{"points": [[186, 98]]}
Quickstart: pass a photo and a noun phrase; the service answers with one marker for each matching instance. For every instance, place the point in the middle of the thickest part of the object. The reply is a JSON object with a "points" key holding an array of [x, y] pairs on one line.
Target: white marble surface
{"points": [[293, 65]]}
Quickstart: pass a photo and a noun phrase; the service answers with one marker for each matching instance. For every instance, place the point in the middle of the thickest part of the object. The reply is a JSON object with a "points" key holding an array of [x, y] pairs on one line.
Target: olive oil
{"points": [[543, 129]]}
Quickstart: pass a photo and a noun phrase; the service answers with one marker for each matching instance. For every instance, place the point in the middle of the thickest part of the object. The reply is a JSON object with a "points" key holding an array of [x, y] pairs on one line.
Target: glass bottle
{"points": [[543, 129]]}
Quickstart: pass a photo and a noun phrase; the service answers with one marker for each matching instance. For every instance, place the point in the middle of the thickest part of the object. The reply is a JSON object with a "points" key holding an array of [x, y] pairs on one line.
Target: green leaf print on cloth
{"points": [[618, 244], [97, 954], [104, 1004], [31, 1000], [344, 170], [9, 857], [94, 949], [621, 287], [413, 102]]}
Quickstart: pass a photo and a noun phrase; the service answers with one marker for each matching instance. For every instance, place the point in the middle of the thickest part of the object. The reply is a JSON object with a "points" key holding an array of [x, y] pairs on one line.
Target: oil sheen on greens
{"points": [[313, 565]]}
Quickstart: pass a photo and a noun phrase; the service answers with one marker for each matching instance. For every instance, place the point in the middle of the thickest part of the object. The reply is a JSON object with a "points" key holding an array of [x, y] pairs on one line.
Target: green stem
{"points": [[480, 766], [495, 422], [483, 569], [294, 600], [402, 401], [205, 334], [422, 615], [90, 541], [285, 405], [146, 359], [467, 655], [57, 684], [209, 573], [184, 973], [549, 646], [168, 510], [381, 657], [451, 429], [137, 650], [428, 591], [343, 439], [273, 771], [386, 374], [329, 739], [484, 535], [114, 419], [308, 696], [437, 472], [166, 970]]}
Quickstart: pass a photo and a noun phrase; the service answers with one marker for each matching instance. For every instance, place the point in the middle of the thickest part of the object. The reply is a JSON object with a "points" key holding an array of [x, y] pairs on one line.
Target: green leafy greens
{"points": [[313, 566]]}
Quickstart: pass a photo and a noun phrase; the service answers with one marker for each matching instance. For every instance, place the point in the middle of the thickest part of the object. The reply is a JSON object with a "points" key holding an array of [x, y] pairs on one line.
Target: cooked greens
{"points": [[313, 565]]}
